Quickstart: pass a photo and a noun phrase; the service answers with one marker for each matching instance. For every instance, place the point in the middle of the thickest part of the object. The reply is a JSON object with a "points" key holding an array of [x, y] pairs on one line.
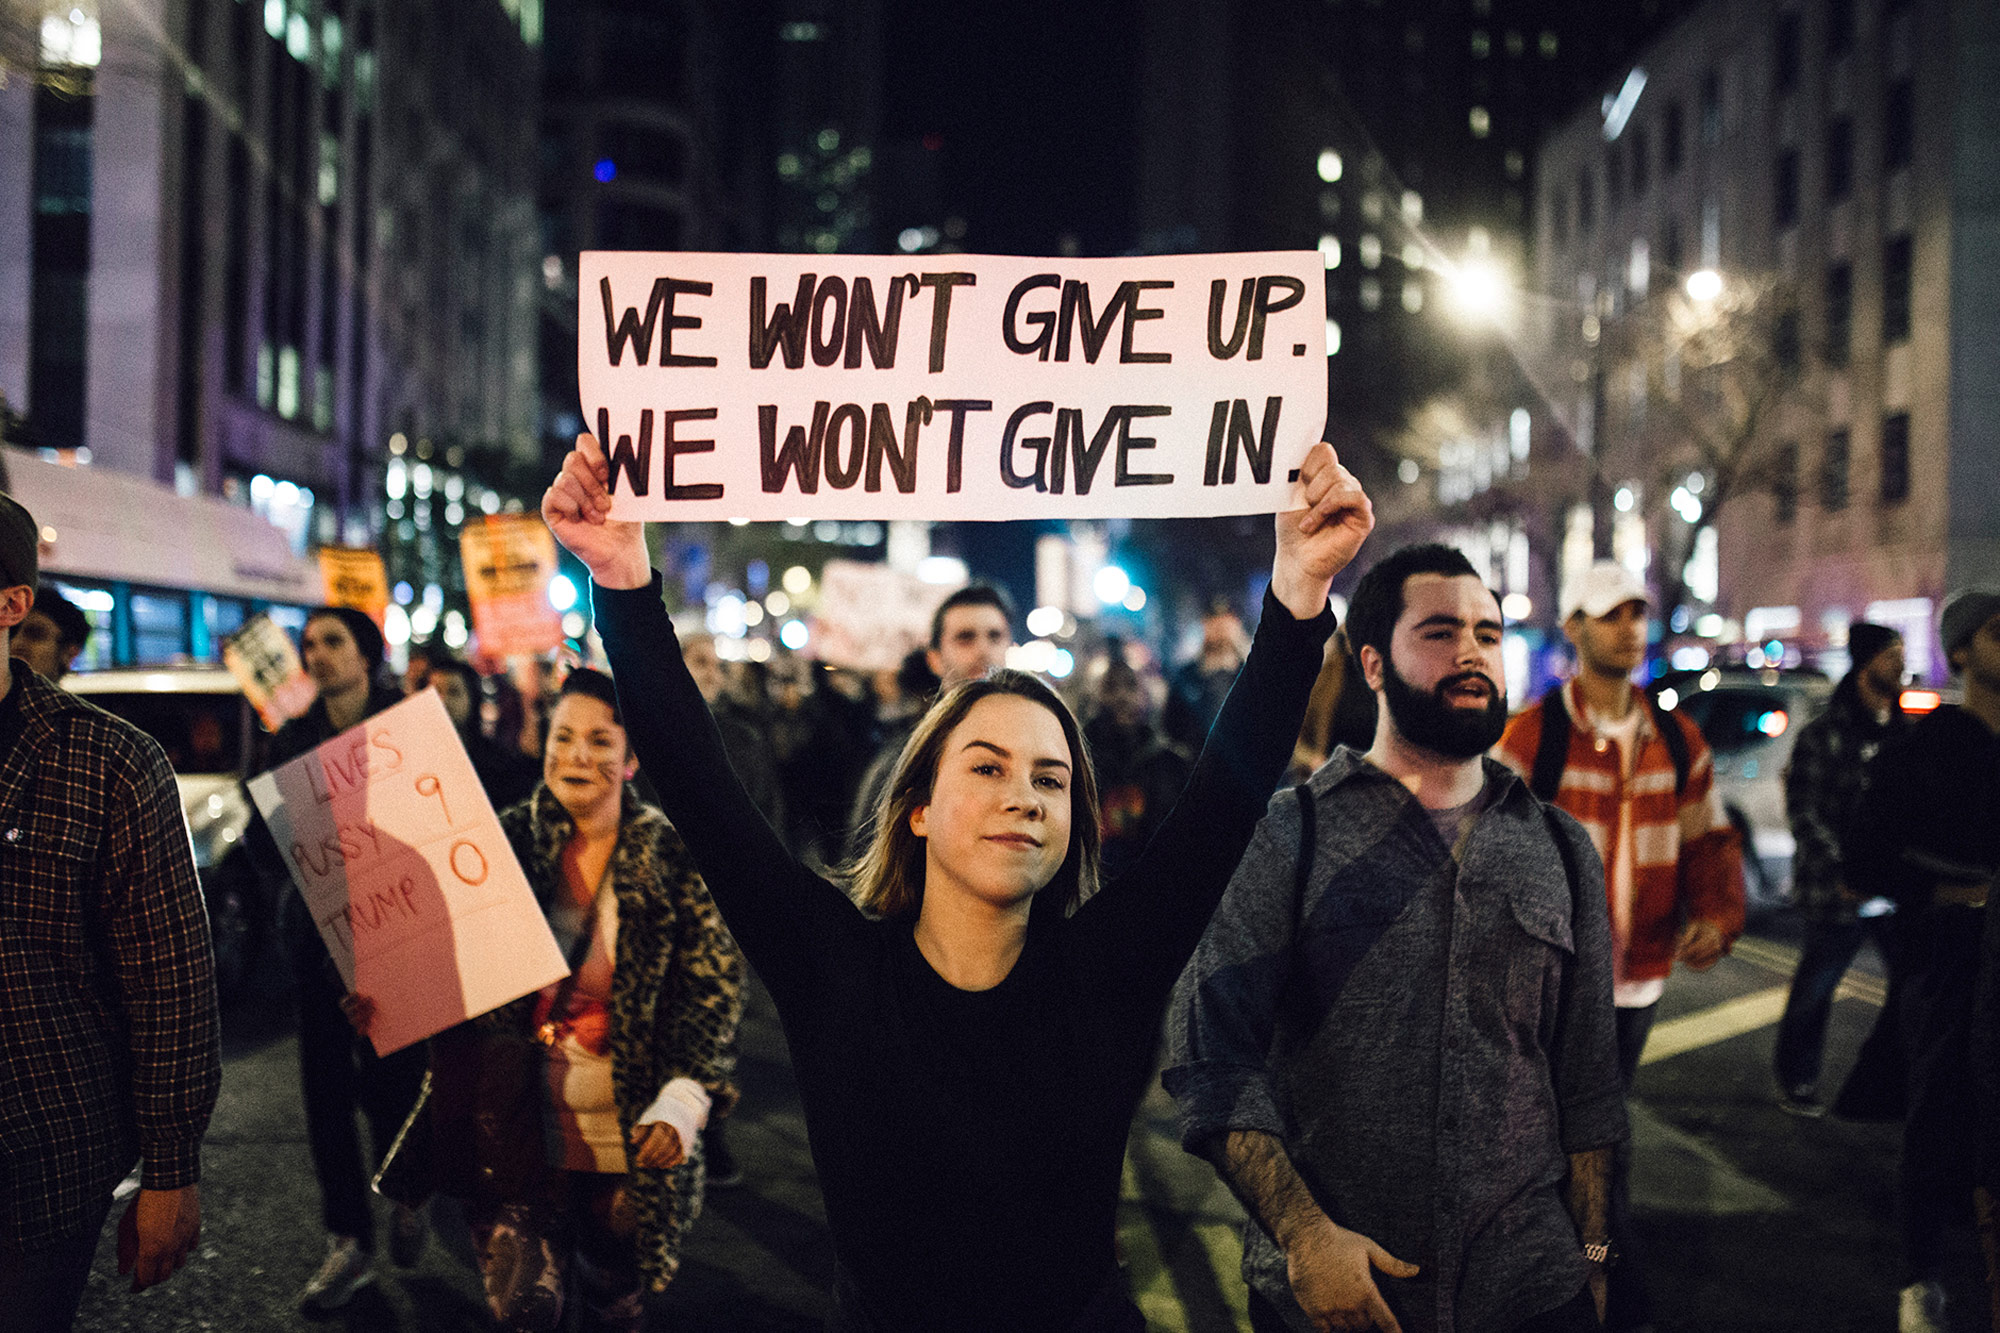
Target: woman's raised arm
{"points": [[775, 907]]}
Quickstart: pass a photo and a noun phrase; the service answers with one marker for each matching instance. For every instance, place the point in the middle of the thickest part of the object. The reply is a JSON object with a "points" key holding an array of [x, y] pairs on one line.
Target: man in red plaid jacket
{"points": [[109, 1045], [1642, 781]]}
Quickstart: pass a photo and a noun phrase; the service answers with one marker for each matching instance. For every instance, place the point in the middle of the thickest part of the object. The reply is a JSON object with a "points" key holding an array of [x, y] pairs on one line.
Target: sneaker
{"points": [[1922, 1309], [1801, 1100], [724, 1171], [347, 1270], [408, 1230]]}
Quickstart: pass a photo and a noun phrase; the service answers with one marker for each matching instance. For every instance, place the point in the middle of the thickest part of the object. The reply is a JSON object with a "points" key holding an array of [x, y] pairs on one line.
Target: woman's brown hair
{"points": [[887, 880]]}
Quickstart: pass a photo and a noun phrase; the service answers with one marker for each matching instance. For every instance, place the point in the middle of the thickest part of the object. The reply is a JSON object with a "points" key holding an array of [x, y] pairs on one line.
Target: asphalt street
{"points": [[1753, 1220]]}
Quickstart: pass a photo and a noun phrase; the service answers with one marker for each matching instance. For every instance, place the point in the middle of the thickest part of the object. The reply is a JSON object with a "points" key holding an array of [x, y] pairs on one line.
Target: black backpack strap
{"points": [[1553, 750], [1564, 850], [1308, 842], [1670, 731]]}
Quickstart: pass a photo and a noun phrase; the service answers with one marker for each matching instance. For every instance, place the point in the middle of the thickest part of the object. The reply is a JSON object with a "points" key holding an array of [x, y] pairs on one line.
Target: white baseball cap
{"points": [[1603, 588]]}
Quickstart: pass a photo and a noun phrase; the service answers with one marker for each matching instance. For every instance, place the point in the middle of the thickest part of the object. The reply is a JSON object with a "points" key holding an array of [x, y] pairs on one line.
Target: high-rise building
{"points": [[254, 238], [1817, 164], [1397, 138]]}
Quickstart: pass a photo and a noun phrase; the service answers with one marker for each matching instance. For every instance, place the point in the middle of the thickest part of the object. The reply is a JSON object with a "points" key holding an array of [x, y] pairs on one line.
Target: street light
{"points": [[1704, 285], [1479, 289]]}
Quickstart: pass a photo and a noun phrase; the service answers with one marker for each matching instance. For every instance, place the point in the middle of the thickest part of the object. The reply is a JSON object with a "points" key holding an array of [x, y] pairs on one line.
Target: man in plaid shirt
{"points": [[109, 1045]]}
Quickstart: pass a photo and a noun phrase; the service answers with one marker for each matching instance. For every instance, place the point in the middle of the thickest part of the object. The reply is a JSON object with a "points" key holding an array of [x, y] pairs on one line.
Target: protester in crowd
{"points": [[743, 733], [967, 1049], [424, 660], [1822, 787], [812, 731], [1641, 779], [571, 1120], [1928, 835], [1412, 886], [51, 636], [338, 1075], [971, 631], [1341, 711], [1195, 691], [1140, 773], [748, 744], [507, 775], [109, 1046]]}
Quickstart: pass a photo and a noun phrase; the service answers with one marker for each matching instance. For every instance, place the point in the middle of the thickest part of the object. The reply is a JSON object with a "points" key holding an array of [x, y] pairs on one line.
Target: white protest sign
{"points": [[951, 386], [871, 616], [395, 848]]}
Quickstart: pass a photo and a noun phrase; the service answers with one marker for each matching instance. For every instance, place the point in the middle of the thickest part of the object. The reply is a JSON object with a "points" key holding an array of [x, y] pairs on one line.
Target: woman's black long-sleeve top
{"points": [[969, 1144]]}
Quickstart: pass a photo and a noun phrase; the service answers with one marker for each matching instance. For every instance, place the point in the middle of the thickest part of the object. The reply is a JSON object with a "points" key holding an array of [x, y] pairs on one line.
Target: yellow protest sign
{"points": [[354, 576], [509, 560]]}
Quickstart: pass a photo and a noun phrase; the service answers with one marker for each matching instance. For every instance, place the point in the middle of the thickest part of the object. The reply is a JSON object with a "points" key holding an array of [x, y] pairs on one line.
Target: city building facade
{"points": [[256, 239], [1765, 268]]}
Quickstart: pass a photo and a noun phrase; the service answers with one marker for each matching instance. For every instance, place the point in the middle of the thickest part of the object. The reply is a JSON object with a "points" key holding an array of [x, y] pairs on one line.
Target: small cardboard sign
{"points": [[951, 386], [264, 661], [355, 576], [391, 841], [509, 560]]}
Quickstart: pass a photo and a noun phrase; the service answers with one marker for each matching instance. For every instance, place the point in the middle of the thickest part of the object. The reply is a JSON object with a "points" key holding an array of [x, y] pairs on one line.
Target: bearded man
{"points": [[1396, 1042]]}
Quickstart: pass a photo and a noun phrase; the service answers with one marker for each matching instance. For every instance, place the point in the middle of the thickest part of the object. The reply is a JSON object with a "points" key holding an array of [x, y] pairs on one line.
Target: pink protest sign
{"points": [[396, 850]]}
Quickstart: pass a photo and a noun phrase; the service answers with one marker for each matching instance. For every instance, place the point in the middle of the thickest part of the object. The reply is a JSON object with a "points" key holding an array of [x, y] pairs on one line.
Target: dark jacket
{"points": [[108, 1035], [1823, 784]]}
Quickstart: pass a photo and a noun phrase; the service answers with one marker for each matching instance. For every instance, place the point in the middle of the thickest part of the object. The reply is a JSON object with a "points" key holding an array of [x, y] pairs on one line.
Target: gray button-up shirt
{"points": [[1429, 1036]]}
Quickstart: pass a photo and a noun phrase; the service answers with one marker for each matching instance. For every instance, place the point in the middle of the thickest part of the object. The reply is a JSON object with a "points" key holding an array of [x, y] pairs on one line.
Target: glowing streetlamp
{"points": [[1704, 285], [1479, 290]]}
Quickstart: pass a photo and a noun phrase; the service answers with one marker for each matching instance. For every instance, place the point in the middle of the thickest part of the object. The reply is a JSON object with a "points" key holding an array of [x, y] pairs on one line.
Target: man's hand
{"points": [[657, 1145], [1699, 945], [157, 1233], [577, 508], [1332, 1272], [1315, 543]]}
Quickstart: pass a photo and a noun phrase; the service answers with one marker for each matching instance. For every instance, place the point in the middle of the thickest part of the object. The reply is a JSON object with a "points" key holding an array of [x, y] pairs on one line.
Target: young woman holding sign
{"points": [[969, 1054]]}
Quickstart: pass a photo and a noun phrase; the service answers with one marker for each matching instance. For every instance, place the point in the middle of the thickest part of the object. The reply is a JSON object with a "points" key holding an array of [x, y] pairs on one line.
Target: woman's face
{"points": [[997, 826], [586, 762]]}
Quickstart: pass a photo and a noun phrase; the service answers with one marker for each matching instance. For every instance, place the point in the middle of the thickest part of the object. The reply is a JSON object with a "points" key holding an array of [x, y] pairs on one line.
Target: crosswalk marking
{"points": [[1784, 960], [1224, 1244], [1732, 1018], [1152, 1285]]}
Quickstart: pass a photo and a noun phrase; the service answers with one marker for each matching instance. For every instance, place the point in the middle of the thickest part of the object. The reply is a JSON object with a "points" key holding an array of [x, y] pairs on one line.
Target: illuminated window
{"points": [[1481, 121]]}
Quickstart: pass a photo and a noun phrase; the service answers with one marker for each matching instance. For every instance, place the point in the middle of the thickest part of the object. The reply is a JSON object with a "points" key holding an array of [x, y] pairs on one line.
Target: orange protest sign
{"points": [[509, 560], [354, 576]]}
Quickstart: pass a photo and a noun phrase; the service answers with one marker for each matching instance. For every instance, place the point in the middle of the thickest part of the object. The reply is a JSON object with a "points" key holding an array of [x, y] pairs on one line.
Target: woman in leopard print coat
{"points": [[619, 1198]]}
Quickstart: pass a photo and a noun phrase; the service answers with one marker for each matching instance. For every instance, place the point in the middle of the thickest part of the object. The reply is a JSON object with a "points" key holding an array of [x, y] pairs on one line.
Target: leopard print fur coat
{"points": [[676, 994]]}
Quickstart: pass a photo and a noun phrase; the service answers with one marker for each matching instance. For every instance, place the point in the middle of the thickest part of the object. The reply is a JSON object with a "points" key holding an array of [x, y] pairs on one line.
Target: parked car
{"points": [[212, 738], [1750, 719]]}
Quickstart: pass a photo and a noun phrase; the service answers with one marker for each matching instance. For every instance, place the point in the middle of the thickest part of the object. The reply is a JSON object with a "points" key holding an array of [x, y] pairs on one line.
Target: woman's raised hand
{"points": [[577, 508], [1315, 543]]}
